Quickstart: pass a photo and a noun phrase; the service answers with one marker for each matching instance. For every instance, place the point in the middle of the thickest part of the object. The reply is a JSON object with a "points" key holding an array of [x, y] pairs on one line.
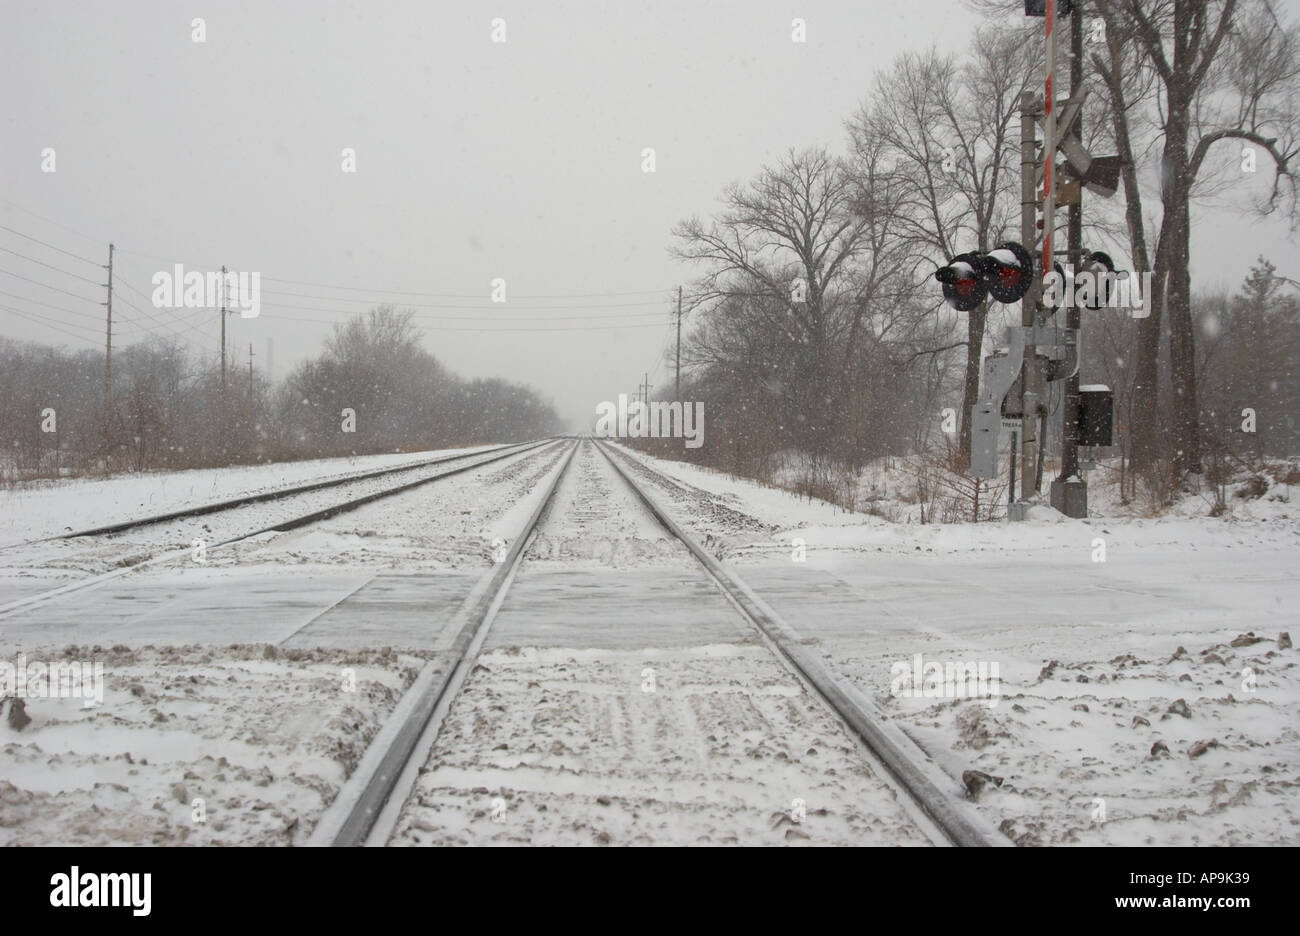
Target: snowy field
{"points": [[195, 745], [1144, 691], [37, 509], [1149, 693]]}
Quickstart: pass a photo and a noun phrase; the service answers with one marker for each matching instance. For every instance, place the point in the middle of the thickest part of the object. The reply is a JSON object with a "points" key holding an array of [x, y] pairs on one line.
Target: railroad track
{"points": [[459, 463], [368, 807]]}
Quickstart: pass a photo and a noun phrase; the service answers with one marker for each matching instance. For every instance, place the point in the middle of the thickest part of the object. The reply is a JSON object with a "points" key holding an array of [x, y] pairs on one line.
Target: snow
{"points": [[1110, 634], [871, 594], [263, 744], [563, 747], [38, 509], [29, 567]]}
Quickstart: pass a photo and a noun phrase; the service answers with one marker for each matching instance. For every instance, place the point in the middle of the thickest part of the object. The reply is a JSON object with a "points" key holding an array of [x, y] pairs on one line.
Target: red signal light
{"points": [[1004, 273], [964, 287]]}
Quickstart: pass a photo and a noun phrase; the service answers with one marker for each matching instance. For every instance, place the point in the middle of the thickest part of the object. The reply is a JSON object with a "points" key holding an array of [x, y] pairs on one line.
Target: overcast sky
{"points": [[475, 160]]}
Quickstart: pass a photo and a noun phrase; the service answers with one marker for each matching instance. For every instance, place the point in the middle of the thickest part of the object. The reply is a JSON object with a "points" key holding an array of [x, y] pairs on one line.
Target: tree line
{"points": [[372, 389]]}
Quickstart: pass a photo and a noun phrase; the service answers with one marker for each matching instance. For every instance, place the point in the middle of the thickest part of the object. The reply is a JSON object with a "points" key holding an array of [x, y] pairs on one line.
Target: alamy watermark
{"points": [[88, 889], [1093, 290], [60, 679], [655, 420], [929, 679], [177, 289]]}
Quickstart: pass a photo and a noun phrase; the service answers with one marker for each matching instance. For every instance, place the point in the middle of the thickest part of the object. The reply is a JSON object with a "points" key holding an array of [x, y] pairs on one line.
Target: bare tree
{"points": [[1221, 70], [943, 132], [781, 253]]}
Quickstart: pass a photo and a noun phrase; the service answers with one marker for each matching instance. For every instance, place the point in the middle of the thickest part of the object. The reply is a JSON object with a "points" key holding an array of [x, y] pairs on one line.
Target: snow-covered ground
{"points": [[38, 509], [1143, 693], [36, 566], [577, 747], [195, 745], [1114, 638], [620, 700], [923, 488], [248, 682]]}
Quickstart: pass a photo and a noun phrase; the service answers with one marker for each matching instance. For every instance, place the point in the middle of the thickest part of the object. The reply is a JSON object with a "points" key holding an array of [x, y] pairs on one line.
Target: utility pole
{"points": [[250, 373], [1029, 110], [223, 336], [645, 387], [221, 395], [1073, 318], [1035, 378], [1049, 142], [1069, 492], [108, 364], [677, 396]]}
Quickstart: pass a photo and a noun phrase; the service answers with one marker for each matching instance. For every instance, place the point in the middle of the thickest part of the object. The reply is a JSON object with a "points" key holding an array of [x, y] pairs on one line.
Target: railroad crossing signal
{"points": [[1038, 351], [963, 286], [1004, 273], [1009, 270]]}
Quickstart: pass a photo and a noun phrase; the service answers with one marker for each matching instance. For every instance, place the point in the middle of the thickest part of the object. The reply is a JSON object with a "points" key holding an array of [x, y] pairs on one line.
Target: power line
{"points": [[85, 315], [184, 318], [56, 224], [142, 295], [484, 330], [663, 353], [335, 286], [140, 326], [52, 325], [50, 267], [49, 305], [377, 293], [476, 318], [428, 295], [160, 323], [47, 286], [464, 308], [52, 247], [29, 313]]}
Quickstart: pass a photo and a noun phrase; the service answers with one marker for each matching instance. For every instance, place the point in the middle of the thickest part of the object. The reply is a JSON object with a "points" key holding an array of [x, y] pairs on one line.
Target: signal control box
{"points": [[1096, 414]]}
